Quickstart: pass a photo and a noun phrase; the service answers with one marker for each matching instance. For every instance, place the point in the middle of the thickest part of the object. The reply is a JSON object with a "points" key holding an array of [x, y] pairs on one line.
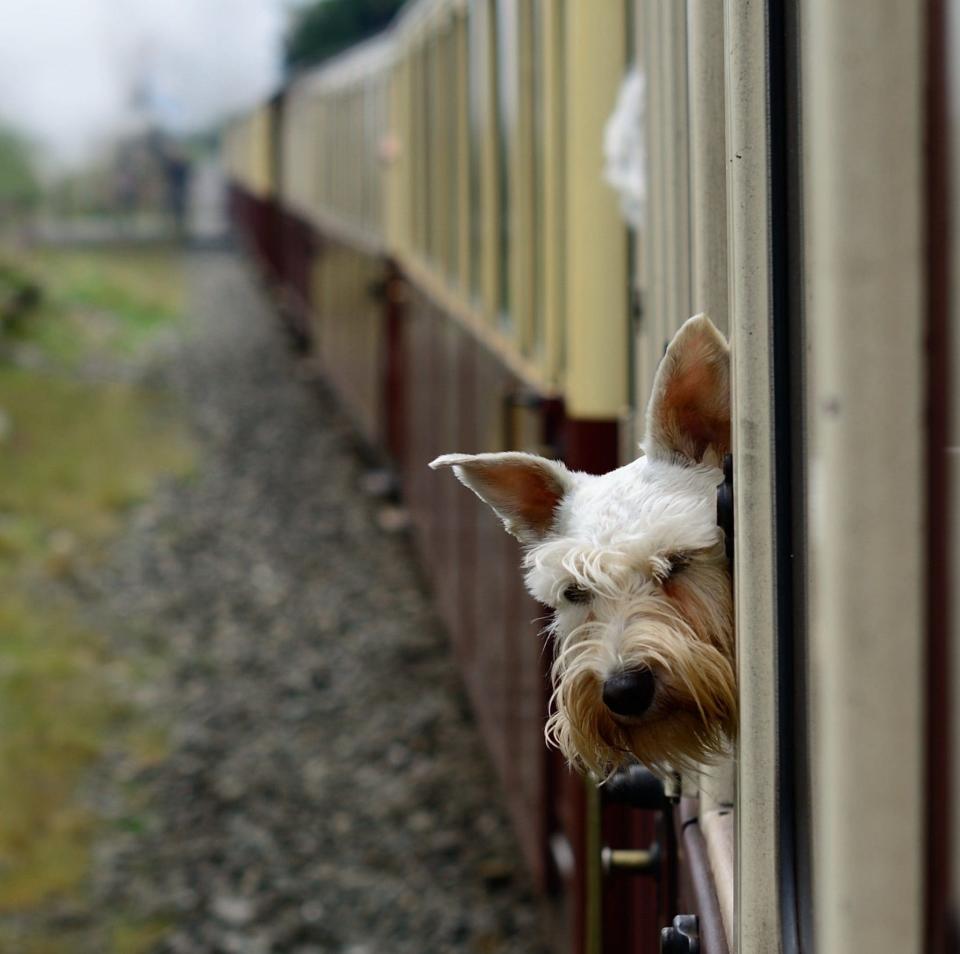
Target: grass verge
{"points": [[76, 452], [101, 300]]}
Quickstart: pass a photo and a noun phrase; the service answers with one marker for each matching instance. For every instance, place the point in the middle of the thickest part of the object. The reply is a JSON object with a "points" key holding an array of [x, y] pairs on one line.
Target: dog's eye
{"points": [[577, 594]]}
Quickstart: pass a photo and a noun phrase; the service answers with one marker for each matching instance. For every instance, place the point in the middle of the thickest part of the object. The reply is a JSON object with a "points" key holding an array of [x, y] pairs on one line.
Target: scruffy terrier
{"points": [[633, 564]]}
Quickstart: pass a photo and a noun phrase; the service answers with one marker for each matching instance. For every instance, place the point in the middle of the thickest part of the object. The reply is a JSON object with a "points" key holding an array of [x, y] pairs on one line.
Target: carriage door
{"points": [[877, 288], [796, 188], [680, 269], [721, 235]]}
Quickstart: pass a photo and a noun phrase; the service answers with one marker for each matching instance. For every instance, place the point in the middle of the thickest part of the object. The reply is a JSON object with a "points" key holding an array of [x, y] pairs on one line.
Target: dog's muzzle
{"points": [[630, 693]]}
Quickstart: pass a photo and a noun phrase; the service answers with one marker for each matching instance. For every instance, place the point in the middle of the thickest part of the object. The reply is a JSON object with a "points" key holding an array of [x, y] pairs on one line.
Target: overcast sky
{"points": [[69, 69]]}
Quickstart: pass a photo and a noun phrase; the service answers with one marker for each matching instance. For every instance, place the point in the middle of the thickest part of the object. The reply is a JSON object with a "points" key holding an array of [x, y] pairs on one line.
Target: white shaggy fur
{"points": [[632, 563]]}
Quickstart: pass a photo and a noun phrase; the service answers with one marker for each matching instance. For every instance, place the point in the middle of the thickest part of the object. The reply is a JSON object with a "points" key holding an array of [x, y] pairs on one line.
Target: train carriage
{"points": [[431, 207]]}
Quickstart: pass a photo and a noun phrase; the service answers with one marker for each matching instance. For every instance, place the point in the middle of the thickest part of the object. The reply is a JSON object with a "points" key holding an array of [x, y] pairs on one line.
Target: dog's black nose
{"points": [[629, 693]]}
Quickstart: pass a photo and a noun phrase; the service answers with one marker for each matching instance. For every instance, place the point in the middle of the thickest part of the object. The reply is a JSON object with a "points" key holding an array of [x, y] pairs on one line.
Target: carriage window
{"points": [[357, 111], [559, 206], [370, 154], [633, 290], [439, 96], [505, 79], [416, 159], [424, 164], [462, 133], [383, 127], [326, 130], [364, 138], [341, 146], [534, 56], [362, 114], [347, 183], [426, 144], [475, 146], [333, 185], [349, 180], [452, 150]]}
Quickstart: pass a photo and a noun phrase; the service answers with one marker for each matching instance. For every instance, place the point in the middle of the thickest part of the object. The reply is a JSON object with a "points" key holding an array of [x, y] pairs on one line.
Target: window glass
{"points": [[534, 50], [633, 290], [413, 114], [426, 145], [505, 80], [559, 151], [452, 151], [475, 94], [420, 125]]}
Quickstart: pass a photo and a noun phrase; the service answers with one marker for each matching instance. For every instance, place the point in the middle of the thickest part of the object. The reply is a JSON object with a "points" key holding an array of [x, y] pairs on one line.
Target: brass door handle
{"points": [[637, 861]]}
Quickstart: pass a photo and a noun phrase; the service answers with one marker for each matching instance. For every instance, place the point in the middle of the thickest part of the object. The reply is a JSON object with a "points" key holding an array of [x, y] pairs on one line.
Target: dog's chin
{"points": [[678, 741], [665, 739], [677, 732]]}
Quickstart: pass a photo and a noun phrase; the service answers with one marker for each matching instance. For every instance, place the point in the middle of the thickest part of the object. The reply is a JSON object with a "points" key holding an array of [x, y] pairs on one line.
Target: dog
{"points": [[633, 564]]}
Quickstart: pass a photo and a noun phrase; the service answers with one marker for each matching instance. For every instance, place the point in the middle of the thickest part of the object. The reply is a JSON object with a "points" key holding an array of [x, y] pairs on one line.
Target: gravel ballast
{"points": [[325, 788]]}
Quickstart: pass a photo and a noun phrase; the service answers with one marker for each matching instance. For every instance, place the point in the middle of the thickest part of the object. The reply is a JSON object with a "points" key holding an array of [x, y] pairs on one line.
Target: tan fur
{"points": [[686, 637], [633, 564], [689, 411]]}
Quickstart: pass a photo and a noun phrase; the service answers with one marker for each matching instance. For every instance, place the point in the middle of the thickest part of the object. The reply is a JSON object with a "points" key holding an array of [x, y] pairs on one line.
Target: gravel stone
{"points": [[325, 788]]}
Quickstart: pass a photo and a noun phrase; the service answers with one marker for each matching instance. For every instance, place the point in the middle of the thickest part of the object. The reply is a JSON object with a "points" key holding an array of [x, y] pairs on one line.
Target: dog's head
{"points": [[632, 563]]}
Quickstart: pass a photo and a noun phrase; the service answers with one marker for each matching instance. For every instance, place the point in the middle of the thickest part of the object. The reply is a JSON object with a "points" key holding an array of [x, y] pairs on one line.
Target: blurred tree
{"points": [[325, 27], [19, 184]]}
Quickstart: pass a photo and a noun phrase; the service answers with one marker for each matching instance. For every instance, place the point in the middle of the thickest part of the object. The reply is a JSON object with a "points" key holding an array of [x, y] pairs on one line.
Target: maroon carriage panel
{"points": [[456, 392]]}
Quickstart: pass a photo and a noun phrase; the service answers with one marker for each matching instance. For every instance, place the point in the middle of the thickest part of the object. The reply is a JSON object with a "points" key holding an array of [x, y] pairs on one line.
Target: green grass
{"points": [[102, 301], [54, 708], [76, 456]]}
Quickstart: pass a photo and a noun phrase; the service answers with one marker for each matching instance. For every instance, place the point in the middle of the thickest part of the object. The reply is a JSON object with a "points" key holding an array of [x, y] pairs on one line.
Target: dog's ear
{"points": [[688, 417], [523, 490]]}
